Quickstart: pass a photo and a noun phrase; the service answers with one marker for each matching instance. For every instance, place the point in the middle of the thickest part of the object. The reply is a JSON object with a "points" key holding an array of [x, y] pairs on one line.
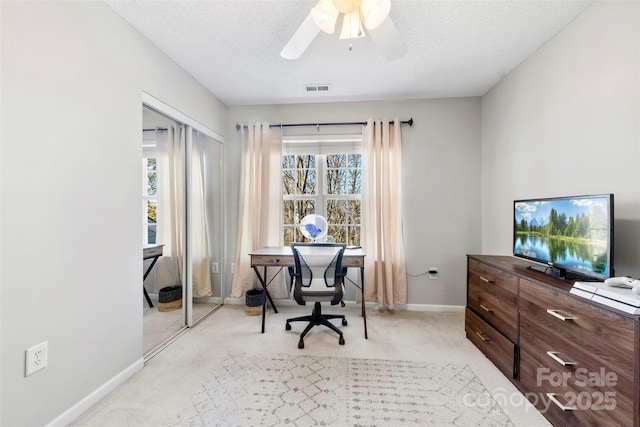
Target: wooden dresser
{"points": [[576, 360]]}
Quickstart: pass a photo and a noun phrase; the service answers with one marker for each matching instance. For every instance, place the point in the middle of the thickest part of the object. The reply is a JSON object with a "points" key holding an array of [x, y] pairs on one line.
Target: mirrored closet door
{"points": [[182, 221]]}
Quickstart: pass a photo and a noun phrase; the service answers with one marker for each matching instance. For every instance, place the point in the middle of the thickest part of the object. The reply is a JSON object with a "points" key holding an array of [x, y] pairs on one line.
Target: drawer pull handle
{"points": [[485, 308], [484, 279], [552, 397], [555, 314], [482, 337], [554, 356]]}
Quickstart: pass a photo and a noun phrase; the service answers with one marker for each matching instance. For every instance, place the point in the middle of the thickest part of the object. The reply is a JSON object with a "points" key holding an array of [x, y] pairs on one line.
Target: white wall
{"points": [[72, 78], [441, 169], [567, 121]]}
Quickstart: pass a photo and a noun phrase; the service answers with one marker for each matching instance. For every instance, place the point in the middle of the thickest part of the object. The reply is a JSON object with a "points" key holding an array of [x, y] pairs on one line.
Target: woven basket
{"points": [[170, 293], [170, 306], [252, 311], [170, 298], [254, 298]]}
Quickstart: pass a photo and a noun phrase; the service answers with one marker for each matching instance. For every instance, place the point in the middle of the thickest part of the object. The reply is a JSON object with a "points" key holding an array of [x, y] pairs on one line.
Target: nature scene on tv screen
{"points": [[572, 233]]}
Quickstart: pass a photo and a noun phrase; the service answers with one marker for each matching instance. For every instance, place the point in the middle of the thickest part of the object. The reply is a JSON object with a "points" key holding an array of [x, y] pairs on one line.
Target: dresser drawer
{"points": [[553, 321], [492, 343], [492, 294], [576, 396]]}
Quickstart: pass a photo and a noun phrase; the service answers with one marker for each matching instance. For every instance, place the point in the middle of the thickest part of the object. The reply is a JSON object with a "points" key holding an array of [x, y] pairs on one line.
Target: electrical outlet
{"points": [[233, 267], [433, 273], [36, 358], [214, 267]]}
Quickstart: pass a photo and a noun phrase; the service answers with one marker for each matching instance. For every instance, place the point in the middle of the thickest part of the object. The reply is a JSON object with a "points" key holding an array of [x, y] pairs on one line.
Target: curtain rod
{"points": [[277, 125], [152, 130]]}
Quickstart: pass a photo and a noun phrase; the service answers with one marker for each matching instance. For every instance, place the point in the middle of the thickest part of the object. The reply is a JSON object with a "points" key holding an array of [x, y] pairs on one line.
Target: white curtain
{"points": [[170, 210], [199, 235], [260, 204], [383, 241]]}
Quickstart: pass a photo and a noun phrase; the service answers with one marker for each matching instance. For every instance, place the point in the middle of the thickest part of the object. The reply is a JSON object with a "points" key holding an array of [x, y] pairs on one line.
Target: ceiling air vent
{"points": [[317, 88]]}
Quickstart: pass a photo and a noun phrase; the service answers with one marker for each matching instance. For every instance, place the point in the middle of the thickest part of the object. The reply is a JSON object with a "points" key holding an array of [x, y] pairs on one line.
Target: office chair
{"points": [[318, 277]]}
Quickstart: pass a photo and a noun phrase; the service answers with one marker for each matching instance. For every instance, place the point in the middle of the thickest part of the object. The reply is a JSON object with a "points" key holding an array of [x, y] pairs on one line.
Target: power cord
{"points": [[417, 275]]}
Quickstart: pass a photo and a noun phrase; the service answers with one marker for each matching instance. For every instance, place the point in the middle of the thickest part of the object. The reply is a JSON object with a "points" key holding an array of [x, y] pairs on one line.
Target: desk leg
{"points": [[263, 282], [146, 295], [364, 311], [264, 285], [146, 273], [264, 312]]}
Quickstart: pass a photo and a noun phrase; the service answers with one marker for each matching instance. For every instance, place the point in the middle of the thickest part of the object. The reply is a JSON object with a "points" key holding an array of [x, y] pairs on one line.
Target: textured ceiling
{"points": [[455, 48]]}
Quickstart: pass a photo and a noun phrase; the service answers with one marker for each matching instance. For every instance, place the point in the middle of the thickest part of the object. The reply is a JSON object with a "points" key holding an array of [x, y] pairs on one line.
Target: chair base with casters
{"points": [[315, 319], [324, 261]]}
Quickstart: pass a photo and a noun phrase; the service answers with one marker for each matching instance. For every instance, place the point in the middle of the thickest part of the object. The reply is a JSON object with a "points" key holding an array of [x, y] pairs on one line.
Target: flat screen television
{"points": [[572, 236]]}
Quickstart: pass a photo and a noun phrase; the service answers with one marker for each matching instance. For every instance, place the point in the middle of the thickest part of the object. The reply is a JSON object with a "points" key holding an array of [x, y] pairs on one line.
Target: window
{"points": [[150, 199], [149, 187], [327, 184]]}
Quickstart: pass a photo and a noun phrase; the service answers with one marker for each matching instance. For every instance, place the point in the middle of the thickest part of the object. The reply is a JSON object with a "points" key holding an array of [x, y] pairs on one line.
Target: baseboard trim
{"points": [[371, 305], [432, 308], [94, 397]]}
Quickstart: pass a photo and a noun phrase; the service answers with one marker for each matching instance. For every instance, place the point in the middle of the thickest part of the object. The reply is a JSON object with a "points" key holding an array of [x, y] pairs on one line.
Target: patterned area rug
{"points": [[282, 390]]}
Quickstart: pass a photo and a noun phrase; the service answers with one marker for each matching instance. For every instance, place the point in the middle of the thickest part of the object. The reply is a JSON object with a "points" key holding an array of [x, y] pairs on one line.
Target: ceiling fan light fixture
{"points": [[374, 12], [325, 15], [351, 26]]}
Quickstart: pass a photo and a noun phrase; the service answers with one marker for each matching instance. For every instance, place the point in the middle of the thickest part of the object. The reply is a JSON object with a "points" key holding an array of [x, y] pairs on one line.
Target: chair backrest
{"points": [[318, 273]]}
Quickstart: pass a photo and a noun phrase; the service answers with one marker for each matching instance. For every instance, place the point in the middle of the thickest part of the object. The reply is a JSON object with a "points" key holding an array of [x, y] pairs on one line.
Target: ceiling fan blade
{"points": [[301, 39], [388, 40]]}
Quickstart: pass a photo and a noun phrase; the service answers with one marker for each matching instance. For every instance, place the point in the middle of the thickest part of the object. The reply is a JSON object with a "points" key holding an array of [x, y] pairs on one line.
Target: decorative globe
{"points": [[313, 227]]}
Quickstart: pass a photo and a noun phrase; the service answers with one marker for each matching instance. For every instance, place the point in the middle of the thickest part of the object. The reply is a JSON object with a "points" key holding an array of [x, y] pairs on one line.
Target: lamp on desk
{"points": [[314, 227]]}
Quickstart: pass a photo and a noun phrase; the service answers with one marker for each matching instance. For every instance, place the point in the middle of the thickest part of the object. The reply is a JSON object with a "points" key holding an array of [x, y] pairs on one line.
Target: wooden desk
{"points": [[150, 252], [281, 256]]}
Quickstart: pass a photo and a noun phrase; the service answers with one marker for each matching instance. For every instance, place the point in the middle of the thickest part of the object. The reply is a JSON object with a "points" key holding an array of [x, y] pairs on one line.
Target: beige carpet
{"points": [[163, 393], [159, 326], [300, 391]]}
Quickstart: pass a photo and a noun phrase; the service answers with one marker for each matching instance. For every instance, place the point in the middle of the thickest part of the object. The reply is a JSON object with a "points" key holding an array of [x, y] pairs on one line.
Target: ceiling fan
{"points": [[374, 14]]}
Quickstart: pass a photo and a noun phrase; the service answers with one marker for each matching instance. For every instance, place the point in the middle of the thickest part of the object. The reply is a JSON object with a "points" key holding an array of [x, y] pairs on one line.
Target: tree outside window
{"points": [[324, 184]]}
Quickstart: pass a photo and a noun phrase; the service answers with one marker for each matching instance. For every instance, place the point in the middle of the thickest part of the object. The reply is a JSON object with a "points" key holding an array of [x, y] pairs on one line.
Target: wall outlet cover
{"points": [[36, 358]]}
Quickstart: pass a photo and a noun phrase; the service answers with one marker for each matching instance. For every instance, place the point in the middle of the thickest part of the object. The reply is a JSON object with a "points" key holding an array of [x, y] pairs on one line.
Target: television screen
{"points": [[569, 234]]}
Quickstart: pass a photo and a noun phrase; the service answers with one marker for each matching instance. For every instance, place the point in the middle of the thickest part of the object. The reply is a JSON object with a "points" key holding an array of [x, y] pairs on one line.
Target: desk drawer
{"points": [[272, 260], [492, 294], [492, 343]]}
